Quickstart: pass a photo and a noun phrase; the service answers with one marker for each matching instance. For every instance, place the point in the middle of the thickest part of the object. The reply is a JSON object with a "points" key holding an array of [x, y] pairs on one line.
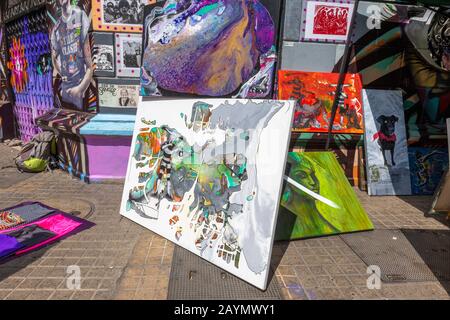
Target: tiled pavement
{"points": [[120, 260]]}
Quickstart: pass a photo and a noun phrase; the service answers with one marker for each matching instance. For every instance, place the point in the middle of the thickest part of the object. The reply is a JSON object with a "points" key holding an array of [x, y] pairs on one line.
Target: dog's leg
{"points": [[384, 156], [392, 156]]}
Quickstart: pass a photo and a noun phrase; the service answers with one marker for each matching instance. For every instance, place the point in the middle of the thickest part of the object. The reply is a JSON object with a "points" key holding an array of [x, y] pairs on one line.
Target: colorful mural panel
{"points": [[71, 44]]}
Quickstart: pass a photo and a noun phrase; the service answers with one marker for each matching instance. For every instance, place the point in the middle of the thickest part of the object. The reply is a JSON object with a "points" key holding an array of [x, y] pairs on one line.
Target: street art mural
{"points": [[314, 95], [317, 199], [207, 179], [69, 23], [326, 21], [408, 49], [427, 167], [386, 146], [215, 48], [30, 70]]}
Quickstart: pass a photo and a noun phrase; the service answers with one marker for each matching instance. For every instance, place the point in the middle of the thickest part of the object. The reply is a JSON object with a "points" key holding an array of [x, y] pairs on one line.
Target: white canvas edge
{"points": [[135, 218]]}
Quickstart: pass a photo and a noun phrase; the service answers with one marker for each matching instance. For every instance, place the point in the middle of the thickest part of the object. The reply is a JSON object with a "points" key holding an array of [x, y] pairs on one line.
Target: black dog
{"points": [[386, 136]]}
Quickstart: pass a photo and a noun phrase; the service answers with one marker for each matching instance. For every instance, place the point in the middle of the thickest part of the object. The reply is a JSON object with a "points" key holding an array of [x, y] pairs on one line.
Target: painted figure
{"points": [[71, 54], [309, 220], [386, 136]]}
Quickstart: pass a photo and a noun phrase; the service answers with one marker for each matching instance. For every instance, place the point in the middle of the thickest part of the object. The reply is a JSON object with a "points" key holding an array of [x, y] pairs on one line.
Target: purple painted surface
{"points": [[108, 156]]}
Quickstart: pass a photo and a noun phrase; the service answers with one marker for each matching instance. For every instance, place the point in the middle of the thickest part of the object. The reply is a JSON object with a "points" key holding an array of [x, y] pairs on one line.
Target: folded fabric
{"points": [[31, 212], [59, 224], [9, 219], [31, 235], [8, 245]]}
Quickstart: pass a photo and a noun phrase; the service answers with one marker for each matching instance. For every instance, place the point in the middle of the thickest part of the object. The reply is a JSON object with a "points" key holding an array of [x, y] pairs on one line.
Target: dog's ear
{"points": [[381, 119], [395, 118]]}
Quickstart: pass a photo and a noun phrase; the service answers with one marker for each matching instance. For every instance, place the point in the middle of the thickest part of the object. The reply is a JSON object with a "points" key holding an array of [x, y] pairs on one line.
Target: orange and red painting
{"points": [[314, 93]]}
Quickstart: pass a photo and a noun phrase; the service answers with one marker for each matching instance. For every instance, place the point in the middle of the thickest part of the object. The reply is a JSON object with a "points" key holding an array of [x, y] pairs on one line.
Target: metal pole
{"points": [[342, 73]]}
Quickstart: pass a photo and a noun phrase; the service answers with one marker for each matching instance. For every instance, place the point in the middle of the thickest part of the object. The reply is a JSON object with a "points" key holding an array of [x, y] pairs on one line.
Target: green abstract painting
{"points": [[317, 199]]}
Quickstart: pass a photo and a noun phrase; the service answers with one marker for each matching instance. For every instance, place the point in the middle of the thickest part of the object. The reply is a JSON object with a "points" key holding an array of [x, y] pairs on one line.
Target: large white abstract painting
{"points": [[386, 145], [207, 175]]}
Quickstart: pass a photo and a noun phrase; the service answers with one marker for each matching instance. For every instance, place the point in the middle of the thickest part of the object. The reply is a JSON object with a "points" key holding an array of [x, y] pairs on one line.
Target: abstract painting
{"points": [[129, 54], [317, 199], [210, 48], [427, 167], [387, 163], [204, 176], [314, 94], [118, 15], [327, 21]]}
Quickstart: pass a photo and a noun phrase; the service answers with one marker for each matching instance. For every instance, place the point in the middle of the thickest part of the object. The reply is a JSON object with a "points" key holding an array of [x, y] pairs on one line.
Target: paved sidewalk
{"points": [[121, 260]]}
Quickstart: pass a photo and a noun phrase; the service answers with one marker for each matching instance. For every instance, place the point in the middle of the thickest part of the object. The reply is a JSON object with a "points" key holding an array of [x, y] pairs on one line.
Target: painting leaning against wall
{"points": [[427, 167], [314, 95], [207, 179], [385, 142], [317, 199], [210, 48]]}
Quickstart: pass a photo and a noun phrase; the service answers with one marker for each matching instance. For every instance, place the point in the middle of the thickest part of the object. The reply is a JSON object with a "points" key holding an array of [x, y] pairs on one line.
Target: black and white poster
{"points": [[104, 55], [129, 54]]}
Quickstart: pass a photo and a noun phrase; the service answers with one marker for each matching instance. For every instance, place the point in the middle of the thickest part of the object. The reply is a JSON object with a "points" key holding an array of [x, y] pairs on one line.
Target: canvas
{"points": [[210, 48], [427, 167], [314, 94], [327, 21], [204, 176], [387, 163], [348, 149], [317, 199], [441, 200]]}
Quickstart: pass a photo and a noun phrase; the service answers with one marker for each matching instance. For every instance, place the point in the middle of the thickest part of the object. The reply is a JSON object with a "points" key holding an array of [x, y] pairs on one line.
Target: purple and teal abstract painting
{"points": [[212, 48]]}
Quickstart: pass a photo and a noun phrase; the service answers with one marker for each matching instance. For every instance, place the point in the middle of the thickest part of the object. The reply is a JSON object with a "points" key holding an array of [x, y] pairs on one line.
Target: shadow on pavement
{"points": [[433, 246], [12, 265]]}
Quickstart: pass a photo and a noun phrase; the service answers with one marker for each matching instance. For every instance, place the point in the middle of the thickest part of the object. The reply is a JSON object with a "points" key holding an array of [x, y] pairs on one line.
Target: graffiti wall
{"points": [[407, 47]]}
